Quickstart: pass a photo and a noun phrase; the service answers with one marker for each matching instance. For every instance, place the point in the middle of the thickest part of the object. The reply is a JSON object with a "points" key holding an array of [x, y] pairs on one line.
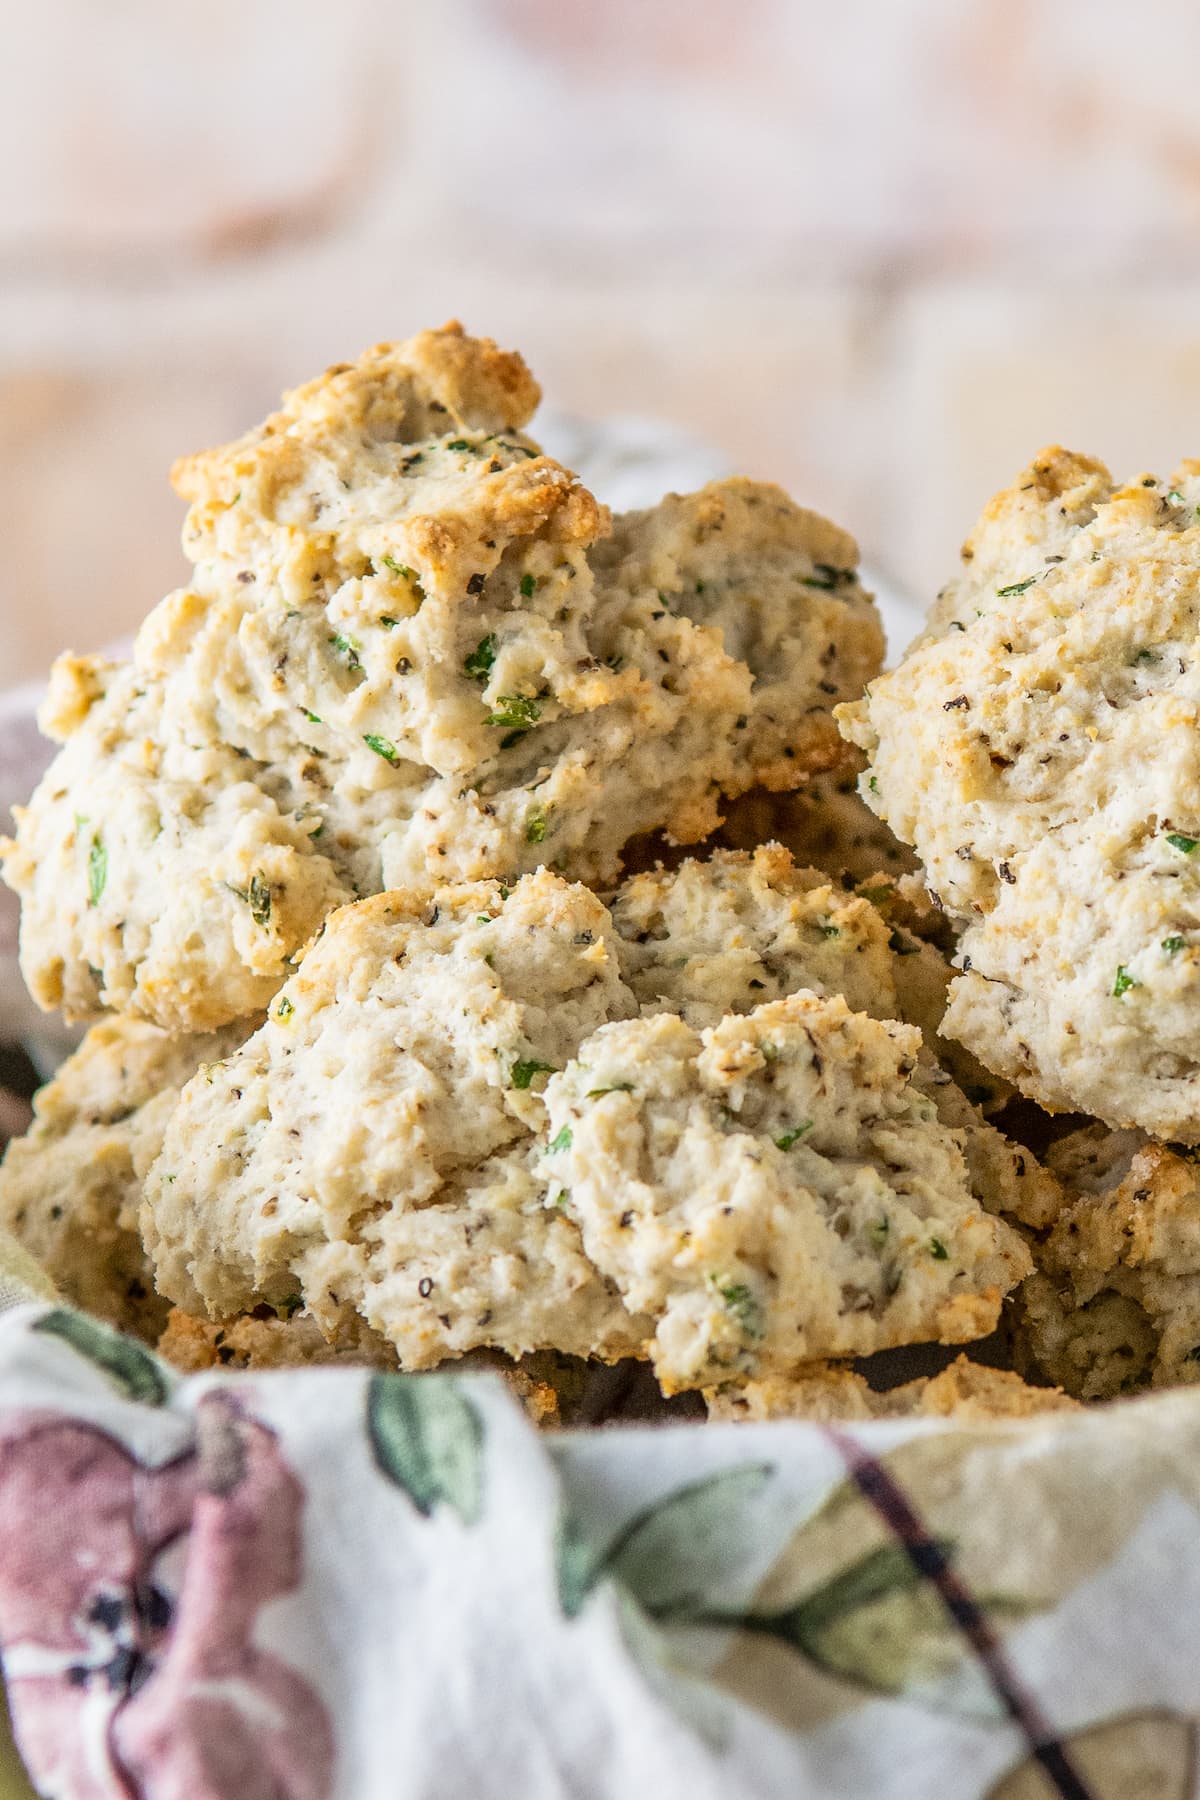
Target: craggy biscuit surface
{"points": [[725, 935], [773, 1190], [964, 1390], [370, 1147], [1115, 1303], [410, 655], [381, 1147], [250, 1341], [1042, 755], [739, 928], [70, 1188], [737, 557]]}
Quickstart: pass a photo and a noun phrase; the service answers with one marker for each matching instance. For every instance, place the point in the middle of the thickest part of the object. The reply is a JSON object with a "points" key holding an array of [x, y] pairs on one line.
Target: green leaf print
{"points": [[671, 1554], [139, 1375], [873, 1622], [427, 1437]]}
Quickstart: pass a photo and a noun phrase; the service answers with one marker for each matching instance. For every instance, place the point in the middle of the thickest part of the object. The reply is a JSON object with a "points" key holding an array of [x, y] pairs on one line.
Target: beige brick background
{"points": [[880, 250]]}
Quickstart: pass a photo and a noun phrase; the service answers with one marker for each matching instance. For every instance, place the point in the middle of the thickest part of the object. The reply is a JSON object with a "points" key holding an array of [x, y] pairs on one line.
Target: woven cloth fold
{"points": [[337, 1585]]}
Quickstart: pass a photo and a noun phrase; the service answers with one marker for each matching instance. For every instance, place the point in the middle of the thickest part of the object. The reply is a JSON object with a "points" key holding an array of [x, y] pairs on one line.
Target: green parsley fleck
{"points": [[618, 1087], [1143, 656], [291, 1303], [535, 827], [258, 897], [1173, 945], [742, 1302], [878, 1229], [831, 931], [97, 870], [349, 649], [563, 1141], [388, 622], [790, 1137], [938, 1250], [562, 1197], [459, 444], [284, 1010], [522, 1073], [515, 713], [406, 574], [528, 586], [1016, 587], [312, 717], [873, 784], [1184, 845], [1124, 981], [382, 747], [479, 664], [1175, 497]]}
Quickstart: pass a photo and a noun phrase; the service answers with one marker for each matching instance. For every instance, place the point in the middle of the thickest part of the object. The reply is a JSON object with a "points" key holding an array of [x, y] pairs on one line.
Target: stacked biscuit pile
{"points": [[417, 1038]]}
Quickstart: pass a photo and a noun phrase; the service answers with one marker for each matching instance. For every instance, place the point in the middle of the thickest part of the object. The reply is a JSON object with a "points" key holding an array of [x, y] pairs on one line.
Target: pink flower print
{"points": [[122, 1681]]}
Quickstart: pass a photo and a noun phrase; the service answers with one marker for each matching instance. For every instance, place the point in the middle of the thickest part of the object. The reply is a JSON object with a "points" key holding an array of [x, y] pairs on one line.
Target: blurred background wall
{"points": [[880, 250]]}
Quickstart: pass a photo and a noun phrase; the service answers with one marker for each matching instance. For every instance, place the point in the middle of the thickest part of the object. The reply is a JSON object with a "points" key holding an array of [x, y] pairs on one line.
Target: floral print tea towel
{"points": [[337, 1585]]}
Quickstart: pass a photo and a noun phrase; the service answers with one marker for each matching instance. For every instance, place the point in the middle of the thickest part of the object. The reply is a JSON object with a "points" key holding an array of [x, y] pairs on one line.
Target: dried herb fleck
{"points": [[382, 747], [522, 1073], [478, 665], [791, 1137], [826, 577], [97, 870], [514, 712], [1016, 587]]}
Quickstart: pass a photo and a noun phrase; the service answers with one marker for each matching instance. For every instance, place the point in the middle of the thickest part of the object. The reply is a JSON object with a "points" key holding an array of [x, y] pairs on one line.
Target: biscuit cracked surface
{"points": [[382, 1147], [1040, 749], [1115, 1303], [966, 1391], [70, 1188], [371, 1146], [415, 650], [774, 1189]]}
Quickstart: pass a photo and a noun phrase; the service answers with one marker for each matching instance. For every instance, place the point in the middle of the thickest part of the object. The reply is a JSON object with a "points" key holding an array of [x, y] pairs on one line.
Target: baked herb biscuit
{"points": [[409, 656], [725, 934], [1115, 1303], [722, 936], [1041, 752], [71, 1187], [774, 1190], [371, 1147], [966, 1391]]}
